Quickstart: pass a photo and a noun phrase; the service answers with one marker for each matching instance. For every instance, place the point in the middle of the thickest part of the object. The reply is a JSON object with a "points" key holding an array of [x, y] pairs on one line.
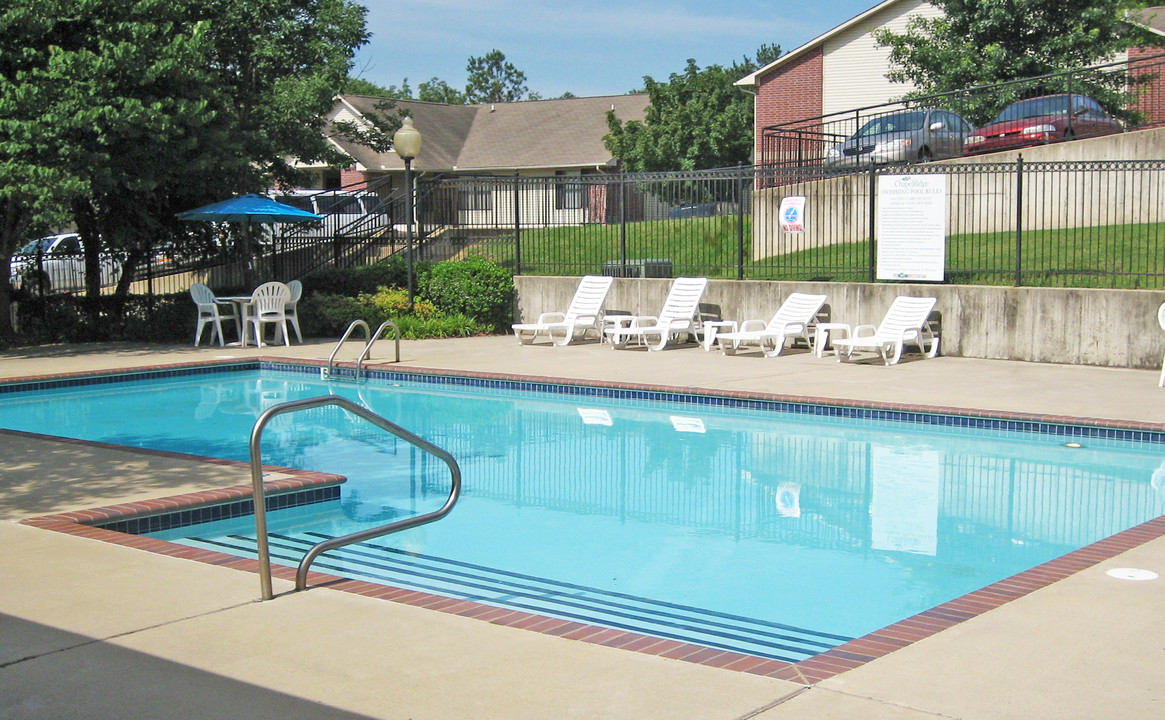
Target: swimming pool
{"points": [[777, 534]]}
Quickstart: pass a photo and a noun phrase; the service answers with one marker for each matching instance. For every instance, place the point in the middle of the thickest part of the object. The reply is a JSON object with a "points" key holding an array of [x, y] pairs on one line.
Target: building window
{"points": [[567, 195], [475, 197]]}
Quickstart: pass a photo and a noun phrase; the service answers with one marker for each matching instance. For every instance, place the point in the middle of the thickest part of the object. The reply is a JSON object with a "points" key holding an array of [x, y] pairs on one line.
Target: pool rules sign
{"points": [[911, 227]]}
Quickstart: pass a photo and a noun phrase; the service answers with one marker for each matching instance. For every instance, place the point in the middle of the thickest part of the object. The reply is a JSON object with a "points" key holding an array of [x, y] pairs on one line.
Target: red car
{"points": [[1042, 120]]}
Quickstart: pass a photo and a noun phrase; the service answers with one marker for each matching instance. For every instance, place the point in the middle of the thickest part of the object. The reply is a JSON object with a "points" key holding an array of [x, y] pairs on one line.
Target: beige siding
{"points": [[854, 67], [343, 114]]}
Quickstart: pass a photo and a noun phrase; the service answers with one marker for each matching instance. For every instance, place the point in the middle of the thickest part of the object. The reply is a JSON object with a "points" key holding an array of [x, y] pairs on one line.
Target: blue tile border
{"points": [[82, 380], [968, 420], [1088, 428], [169, 519]]}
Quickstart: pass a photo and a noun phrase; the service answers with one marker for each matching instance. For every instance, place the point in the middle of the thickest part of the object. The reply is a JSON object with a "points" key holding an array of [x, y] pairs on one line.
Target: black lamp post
{"points": [[407, 144]]}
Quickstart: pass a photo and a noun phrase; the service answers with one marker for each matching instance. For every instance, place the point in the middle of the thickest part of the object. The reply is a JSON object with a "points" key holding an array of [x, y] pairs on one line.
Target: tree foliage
{"points": [[360, 86], [490, 80], [493, 80], [439, 91], [101, 113], [981, 42], [116, 114], [697, 120]]}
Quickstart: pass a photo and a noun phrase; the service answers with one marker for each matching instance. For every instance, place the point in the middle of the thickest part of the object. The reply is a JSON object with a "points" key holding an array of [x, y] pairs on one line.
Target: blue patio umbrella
{"points": [[249, 209]]}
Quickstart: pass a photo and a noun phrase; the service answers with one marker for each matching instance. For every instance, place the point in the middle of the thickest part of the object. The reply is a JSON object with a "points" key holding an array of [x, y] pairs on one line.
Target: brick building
{"points": [[845, 69]]}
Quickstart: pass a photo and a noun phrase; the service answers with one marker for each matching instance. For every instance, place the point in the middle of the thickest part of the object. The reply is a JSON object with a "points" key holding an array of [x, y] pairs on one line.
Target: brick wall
{"points": [[352, 179], [793, 92], [1152, 99]]}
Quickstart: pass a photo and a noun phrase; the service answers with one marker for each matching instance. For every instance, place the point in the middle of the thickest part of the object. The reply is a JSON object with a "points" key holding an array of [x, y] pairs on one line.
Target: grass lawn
{"points": [[1113, 256]]}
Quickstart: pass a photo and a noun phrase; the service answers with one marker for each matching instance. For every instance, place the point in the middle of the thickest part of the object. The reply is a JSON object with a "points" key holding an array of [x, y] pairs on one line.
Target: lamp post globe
{"points": [[407, 140]]}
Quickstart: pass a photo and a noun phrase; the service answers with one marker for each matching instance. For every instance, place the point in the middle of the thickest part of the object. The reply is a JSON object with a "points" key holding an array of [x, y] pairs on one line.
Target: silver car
{"points": [[902, 137]]}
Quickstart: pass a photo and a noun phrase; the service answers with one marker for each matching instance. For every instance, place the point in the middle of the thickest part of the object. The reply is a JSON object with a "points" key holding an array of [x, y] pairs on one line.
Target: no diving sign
{"points": [[793, 214]]}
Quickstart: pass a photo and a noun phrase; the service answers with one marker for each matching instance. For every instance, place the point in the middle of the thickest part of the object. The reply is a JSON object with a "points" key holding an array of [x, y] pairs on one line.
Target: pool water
{"points": [[770, 533]]}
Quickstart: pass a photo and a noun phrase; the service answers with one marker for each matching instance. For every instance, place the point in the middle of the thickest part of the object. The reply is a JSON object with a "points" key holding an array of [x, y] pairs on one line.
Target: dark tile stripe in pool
{"points": [[542, 596]]}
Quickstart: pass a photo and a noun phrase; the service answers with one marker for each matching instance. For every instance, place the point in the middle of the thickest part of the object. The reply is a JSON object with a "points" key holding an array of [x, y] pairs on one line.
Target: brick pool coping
{"points": [[835, 661]]}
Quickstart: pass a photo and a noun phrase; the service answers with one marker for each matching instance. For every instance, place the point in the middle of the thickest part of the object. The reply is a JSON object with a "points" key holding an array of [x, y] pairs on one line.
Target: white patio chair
{"points": [[905, 321], [678, 317], [296, 288], [212, 312], [268, 304], [581, 315], [1161, 322], [794, 319]]}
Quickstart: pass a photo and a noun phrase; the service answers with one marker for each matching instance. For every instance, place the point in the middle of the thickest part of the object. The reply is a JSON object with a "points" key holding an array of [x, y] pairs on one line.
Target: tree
{"points": [[280, 63], [697, 120], [120, 113], [385, 120], [766, 54], [439, 91], [86, 89], [360, 86], [980, 42], [493, 80]]}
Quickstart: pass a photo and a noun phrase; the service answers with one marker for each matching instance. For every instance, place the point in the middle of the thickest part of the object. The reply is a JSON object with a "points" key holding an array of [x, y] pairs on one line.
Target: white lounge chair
{"points": [[581, 315], [679, 316], [212, 311], [794, 319], [905, 321], [1161, 322]]}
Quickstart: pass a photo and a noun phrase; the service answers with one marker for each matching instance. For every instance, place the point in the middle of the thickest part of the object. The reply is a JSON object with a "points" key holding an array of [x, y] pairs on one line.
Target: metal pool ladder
{"points": [[336, 542], [326, 373]]}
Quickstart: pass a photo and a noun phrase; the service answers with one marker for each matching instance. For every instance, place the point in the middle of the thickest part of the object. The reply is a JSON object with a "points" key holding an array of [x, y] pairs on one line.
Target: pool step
{"points": [[541, 596]]}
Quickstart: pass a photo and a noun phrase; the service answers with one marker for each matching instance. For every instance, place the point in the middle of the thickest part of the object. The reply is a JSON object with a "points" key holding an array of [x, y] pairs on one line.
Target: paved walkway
{"points": [[92, 630]]}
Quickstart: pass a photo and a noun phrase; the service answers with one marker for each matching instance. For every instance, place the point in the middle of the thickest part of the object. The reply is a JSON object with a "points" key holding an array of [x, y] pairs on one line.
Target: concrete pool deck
{"points": [[91, 629]]}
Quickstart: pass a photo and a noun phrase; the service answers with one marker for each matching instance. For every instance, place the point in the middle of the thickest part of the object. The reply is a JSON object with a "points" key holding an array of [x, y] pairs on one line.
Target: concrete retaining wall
{"points": [[1114, 328]]}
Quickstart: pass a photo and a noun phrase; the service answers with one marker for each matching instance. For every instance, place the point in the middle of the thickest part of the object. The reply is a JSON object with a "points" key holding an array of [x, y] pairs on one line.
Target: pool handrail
{"points": [[369, 337], [375, 336], [367, 534], [326, 372]]}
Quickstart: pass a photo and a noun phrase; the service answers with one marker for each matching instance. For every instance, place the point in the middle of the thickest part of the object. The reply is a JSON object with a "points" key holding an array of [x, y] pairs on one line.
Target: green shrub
{"points": [[444, 326], [75, 318], [476, 287], [394, 303], [453, 299], [392, 272], [328, 315]]}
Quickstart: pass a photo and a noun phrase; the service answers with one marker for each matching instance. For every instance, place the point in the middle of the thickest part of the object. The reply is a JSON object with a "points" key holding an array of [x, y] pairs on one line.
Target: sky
{"points": [[591, 48]]}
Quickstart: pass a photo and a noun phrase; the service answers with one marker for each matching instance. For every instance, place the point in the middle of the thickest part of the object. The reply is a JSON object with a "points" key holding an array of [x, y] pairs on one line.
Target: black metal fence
{"points": [[1067, 224], [1059, 224], [359, 226], [1098, 100]]}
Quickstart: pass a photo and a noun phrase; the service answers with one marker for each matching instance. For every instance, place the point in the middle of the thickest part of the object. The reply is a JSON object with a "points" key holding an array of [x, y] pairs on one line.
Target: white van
{"points": [[56, 264]]}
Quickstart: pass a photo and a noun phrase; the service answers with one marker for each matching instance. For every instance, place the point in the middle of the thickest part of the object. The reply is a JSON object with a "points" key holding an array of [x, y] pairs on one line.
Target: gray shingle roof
{"points": [[564, 133], [1152, 17]]}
